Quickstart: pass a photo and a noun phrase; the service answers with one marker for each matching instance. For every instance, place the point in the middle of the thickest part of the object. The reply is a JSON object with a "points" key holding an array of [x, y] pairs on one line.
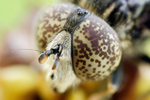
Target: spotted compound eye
{"points": [[51, 22], [95, 47]]}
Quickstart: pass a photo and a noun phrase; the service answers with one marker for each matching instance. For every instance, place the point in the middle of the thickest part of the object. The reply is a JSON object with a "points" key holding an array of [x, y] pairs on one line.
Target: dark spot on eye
{"points": [[94, 68], [92, 60], [79, 73], [49, 35], [88, 74], [89, 65], [83, 72], [55, 90], [99, 71], [86, 70], [107, 62], [52, 76], [104, 66]]}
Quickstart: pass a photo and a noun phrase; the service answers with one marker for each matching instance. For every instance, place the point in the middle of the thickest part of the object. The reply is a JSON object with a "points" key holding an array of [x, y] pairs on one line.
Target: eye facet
{"points": [[96, 49]]}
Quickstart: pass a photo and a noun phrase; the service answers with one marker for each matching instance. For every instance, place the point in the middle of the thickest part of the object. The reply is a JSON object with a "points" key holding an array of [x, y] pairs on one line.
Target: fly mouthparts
{"points": [[56, 61]]}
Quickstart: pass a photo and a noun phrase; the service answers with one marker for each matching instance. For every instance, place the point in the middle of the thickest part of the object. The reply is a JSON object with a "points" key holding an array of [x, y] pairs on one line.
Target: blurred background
{"points": [[20, 74]]}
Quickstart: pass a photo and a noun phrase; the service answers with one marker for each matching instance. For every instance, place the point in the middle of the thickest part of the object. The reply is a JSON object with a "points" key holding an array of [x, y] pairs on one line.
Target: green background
{"points": [[13, 12]]}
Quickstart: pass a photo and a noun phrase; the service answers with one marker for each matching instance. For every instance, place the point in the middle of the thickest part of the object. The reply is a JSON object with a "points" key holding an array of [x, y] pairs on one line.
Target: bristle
{"points": [[15, 50]]}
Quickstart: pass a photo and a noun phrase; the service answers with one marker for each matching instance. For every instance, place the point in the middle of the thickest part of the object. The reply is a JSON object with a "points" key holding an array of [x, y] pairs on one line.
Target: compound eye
{"points": [[96, 49]]}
